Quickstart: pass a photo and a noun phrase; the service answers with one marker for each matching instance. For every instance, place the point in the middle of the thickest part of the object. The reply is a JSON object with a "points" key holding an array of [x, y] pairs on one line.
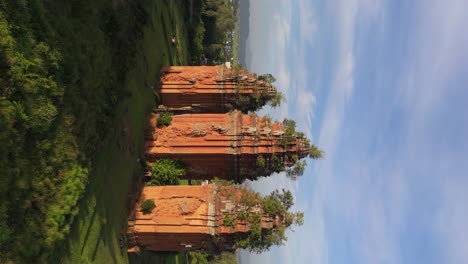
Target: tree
{"points": [[214, 51], [315, 153], [267, 77], [224, 258], [272, 206], [276, 163], [290, 125], [277, 99], [66, 201], [198, 257], [166, 172], [276, 206], [298, 219], [297, 170], [285, 197], [277, 203], [147, 206], [250, 198]]}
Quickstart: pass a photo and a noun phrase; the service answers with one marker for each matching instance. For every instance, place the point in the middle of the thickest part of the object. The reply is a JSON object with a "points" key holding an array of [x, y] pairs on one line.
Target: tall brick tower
{"points": [[212, 89], [200, 218], [232, 146]]}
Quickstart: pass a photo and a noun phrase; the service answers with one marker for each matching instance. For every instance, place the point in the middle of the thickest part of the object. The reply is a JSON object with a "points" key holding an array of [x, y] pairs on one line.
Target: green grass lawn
{"points": [[160, 258], [102, 219], [183, 182]]}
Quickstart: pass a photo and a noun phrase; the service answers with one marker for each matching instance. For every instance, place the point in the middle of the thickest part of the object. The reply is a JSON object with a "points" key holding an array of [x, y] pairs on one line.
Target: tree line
{"points": [[211, 22]]}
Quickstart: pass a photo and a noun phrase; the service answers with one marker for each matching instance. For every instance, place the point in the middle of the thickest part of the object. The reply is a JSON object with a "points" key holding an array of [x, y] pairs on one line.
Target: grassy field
{"points": [[162, 258], [101, 221]]}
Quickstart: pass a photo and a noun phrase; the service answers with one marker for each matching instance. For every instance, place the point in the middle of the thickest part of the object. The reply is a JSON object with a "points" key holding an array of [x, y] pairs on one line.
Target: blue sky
{"points": [[382, 87]]}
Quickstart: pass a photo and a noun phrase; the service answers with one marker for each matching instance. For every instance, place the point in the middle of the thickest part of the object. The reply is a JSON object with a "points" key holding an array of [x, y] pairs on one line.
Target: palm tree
{"points": [[277, 99], [315, 153]]}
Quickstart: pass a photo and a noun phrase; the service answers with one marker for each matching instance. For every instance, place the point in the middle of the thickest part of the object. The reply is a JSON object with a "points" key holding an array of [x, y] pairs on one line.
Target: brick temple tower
{"points": [[232, 146], [192, 218], [212, 89]]}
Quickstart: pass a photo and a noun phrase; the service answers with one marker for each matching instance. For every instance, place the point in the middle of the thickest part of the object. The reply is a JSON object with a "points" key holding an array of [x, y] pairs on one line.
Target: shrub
{"points": [[228, 221], [276, 205], [277, 163], [242, 215], [260, 161], [198, 257], [250, 198], [283, 142], [164, 119], [272, 206], [166, 172], [315, 153], [294, 158], [222, 182], [147, 206]]}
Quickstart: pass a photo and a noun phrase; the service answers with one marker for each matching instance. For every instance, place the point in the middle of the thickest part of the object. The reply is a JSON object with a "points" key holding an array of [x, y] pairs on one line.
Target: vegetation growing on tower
{"points": [[147, 206], [257, 212], [315, 152], [264, 92], [288, 162], [164, 119]]}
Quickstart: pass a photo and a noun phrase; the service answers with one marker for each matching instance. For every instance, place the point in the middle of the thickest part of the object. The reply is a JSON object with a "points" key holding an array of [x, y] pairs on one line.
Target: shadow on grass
{"points": [[103, 210]]}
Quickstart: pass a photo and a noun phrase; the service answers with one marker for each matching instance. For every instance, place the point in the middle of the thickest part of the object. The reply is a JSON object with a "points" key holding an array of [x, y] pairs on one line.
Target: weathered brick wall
{"points": [[219, 145]]}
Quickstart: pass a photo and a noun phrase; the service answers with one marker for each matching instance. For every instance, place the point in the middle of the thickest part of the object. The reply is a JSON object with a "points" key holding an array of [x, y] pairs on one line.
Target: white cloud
{"points": [[302, 94], [305, 103], [348, 200], [377, 201], [269, 41], [341, 86], [340, 90], [282, 25]]}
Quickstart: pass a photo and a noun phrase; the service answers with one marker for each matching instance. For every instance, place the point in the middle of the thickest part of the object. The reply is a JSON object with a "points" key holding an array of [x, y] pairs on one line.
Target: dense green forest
{"points": [[62, 70]]}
